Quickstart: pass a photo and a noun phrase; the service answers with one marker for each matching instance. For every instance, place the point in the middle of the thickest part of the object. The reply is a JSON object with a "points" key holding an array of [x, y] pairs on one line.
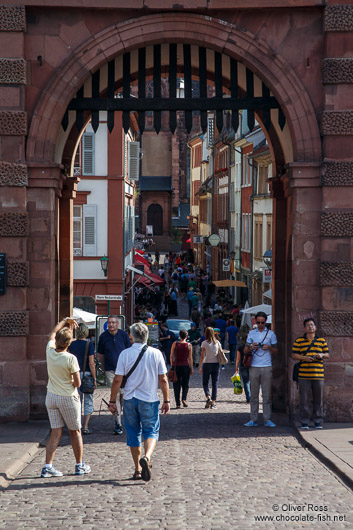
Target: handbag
{"points": [[87, 383], [221, 357], [172, 375], [125, 377], [296, 367], [248, 357]]}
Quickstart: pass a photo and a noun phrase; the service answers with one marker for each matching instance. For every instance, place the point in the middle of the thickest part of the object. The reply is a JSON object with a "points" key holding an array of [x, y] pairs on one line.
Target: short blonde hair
{"points": [[63, 339]]}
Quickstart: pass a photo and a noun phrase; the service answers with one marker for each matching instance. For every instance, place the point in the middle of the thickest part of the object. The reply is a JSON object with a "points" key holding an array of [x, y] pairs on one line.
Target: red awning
{"points": [[145, 282], [155, 278], [140, 259]]}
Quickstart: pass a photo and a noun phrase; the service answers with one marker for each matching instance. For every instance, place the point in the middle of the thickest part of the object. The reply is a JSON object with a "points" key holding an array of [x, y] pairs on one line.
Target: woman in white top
{"points": [[209, 366]]}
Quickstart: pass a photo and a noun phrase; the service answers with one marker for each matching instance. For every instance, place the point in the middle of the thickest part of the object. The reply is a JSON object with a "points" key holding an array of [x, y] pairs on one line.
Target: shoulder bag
{"points": [[296, 367], [222, 359], [87, 383], [248, 357], [125, 377], [172, 376]]}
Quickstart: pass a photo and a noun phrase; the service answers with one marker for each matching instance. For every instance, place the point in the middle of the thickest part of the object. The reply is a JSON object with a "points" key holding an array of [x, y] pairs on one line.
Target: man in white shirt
{"points": [[141, 402], [262, 344]]}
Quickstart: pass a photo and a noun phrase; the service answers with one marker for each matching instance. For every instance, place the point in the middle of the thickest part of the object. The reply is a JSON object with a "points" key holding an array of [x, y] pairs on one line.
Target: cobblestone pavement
{"points": [[209, 472]]}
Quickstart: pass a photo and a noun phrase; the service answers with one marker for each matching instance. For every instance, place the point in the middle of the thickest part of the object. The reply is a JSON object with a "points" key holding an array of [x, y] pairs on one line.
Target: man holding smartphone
{"points": [[311, 350], [262, 344]]}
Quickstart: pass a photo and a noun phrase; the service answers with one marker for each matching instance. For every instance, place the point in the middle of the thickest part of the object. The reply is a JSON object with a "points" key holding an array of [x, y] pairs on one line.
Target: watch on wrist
{"points": [[166, 401]]}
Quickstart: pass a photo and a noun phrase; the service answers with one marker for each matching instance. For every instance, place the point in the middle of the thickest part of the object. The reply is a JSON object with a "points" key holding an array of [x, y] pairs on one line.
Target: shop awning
{"points": [[140, 259], [145, 282], [154, 277], [229, 283]]}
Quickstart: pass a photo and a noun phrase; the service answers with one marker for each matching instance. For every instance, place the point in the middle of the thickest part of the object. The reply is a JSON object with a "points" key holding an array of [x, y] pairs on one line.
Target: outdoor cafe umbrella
{"points": [[246, 315]]}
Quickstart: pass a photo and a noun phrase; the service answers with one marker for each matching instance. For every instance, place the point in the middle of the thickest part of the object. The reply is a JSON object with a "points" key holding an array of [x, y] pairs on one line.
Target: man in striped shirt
{"points": [[311, 350]]}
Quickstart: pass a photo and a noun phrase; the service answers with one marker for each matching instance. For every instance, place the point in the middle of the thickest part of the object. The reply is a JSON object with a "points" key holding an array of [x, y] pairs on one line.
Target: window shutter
{"points": [[89, 229], [88, 154], [134, 160]]}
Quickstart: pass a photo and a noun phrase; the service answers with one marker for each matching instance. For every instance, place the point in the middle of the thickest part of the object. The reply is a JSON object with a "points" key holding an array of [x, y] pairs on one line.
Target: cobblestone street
{"points": [[209, 472]]}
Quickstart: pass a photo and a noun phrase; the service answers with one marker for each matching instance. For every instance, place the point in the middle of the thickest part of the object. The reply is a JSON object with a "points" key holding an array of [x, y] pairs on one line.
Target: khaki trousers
{"points": [[260, 376]]}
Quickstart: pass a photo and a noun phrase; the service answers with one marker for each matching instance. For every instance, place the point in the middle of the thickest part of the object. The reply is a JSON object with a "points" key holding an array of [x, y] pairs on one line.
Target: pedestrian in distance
{"points": [[243, 371], [194, 338], [62, 400], [189, 297], [262, 344], [232, 338], [209, 366], [141, 402], [111, 343], [181, 358], [311, 350], [78, 348]]}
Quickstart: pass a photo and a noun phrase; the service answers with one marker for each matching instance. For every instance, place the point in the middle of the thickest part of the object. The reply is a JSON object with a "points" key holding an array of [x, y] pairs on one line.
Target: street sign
{"points": [[226, 265], [214, 240], [2, 273], [104, 297], [198, 239], [266, 275]]}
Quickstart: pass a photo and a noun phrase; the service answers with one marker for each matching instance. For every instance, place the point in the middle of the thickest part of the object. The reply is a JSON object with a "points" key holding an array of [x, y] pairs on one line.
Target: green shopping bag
{"points": [[238, 389]]}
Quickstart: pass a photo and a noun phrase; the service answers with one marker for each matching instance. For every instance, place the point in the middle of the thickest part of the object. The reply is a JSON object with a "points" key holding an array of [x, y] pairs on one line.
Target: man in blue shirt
{"points": [[232, 339], [262, 344], [222, 325], [111, 343]]}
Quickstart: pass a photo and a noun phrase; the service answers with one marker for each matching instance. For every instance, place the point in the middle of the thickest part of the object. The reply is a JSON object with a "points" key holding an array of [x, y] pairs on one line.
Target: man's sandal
{"points": [[146, 469], [136, 475]]}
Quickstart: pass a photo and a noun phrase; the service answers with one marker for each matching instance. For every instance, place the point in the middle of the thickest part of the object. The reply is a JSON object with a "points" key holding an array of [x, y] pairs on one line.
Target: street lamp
{"points": [[267, 258], [104, 264]]}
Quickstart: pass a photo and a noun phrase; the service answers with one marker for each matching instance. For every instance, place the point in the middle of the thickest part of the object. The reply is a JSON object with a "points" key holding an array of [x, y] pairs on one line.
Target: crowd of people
{"points": [[134, 368]]}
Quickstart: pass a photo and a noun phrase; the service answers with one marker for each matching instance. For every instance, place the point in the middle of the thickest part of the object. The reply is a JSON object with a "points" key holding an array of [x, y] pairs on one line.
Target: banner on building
{"points": [[266, 275]]}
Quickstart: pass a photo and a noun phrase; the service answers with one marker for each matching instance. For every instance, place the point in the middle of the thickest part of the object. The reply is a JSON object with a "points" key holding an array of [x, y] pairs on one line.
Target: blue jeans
{"points": [[232, 348], [210, 369], [140, 417], [245, 381]]}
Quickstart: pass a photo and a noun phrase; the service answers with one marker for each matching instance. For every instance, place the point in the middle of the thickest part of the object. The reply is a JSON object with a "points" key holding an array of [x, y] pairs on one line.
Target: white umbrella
{"points": [[265, 308], [246, 318], [85, 317]]}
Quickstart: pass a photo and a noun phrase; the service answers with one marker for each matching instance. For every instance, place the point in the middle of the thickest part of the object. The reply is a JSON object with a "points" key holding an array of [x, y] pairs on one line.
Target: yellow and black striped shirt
{"points": [[315, 369]]}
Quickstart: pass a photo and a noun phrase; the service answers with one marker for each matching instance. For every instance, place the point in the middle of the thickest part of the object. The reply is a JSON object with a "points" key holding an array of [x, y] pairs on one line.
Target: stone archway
{"points": [[302, 147], [50, 88]]}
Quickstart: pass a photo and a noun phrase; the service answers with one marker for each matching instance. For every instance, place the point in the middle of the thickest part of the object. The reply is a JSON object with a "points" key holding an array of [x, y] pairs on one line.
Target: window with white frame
{"points": [[85, 230], [245, 239], [231, 197], [237, 229], [88, 166], [77, 230]]}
